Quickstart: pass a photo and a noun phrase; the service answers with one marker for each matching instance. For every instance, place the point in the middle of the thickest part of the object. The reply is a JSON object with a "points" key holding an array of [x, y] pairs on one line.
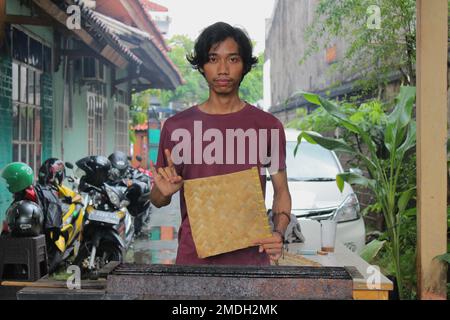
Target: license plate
{"points": [[104, 216]]}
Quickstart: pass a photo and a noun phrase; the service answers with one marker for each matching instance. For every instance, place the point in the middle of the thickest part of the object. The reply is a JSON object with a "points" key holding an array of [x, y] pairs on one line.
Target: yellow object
{"points": [[226, 212], [61, 244], [121, 214], [72, 226], [291, 259]]}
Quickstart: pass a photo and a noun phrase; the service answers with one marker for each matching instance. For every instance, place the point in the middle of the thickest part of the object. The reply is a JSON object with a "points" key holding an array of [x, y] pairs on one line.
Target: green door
{"points": [[153, 138]]}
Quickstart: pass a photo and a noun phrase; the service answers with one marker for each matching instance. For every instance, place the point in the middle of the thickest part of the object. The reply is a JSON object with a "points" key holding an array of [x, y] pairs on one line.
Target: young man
{"points": [[223, 55]]}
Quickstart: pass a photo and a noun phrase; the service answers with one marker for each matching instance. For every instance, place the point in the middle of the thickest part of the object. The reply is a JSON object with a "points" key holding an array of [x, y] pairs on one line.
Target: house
{"points": [[160, 15], [285, 46], [68, 70]]}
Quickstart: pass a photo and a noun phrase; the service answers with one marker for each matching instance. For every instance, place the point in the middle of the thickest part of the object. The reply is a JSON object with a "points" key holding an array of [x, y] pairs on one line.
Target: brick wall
{"points": [[5, 128]]}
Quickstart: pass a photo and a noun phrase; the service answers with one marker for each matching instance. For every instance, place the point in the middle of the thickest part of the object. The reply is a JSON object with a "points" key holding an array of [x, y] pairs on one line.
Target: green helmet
{"points": [[18, 176]]}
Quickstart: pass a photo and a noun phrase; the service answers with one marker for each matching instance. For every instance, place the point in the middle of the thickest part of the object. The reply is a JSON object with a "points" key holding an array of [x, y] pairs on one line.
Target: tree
{"points": [[251, 89], [195, 89], [381, 35], [385, 169]]}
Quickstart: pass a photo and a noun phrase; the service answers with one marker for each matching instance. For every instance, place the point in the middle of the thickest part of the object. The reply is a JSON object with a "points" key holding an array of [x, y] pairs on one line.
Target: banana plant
{"points": [[399, 137]]}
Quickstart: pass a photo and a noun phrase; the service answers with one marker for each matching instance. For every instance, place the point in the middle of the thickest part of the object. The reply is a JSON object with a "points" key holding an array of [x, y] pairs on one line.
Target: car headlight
{"points": [[348, 210], [113, 197]]}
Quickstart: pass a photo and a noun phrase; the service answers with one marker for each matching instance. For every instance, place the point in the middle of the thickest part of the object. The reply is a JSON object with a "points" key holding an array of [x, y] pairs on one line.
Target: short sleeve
{"points": [[164, 143], [282, 145], [277, 148]]}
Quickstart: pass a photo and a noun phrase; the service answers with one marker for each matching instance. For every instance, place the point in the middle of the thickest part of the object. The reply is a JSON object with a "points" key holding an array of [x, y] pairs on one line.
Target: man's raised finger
{"points": [[168, 157], [163, 173]]}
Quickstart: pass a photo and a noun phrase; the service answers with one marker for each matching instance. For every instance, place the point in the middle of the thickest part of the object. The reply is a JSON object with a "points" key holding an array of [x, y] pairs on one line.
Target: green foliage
{"points": [[138, 112], [444, 257], [139, 107], [387, 144], [251, 89], [375, 52], [319, 120], [371, 250], [407, 260], [132, 135], [370, 116], [195, 88]]}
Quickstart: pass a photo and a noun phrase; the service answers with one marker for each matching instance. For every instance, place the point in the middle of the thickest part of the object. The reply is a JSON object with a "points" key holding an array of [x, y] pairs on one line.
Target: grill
{"points": [[316, 214], [229, 282]]}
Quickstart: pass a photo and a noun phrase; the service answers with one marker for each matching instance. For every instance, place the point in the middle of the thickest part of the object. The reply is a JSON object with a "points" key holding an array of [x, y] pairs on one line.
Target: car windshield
{"points": [[312, 163]]}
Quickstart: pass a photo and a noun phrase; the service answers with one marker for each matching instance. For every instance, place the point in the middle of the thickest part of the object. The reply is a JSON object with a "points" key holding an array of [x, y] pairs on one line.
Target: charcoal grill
{"points": [[229, 282]]}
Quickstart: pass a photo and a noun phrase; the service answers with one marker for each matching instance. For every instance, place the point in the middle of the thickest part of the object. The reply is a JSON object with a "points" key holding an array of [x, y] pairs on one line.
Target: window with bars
{"points": [[122, 134], [68, 94], [30, 59], [97, 107]]}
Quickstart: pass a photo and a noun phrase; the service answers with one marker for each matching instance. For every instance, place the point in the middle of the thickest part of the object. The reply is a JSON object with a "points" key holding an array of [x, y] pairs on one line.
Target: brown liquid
{"points": [[328, 249]]}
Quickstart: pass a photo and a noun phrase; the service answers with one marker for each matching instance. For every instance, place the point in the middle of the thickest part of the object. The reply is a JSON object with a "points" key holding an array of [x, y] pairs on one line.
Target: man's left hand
{"points": [[273, 246]]}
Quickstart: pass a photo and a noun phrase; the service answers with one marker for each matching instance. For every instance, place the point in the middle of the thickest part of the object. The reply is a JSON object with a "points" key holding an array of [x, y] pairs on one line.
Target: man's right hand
{"points": [[166, 179]]}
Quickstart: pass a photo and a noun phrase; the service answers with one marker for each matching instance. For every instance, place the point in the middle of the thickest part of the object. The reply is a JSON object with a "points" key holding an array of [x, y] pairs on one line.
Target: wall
{"points": [[69, 144], [46, 35], [285, 45], [5, 128]]}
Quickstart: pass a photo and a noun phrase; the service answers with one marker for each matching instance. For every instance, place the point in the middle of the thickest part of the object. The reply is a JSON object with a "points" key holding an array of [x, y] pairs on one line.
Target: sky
{"points": [[189, 17]]}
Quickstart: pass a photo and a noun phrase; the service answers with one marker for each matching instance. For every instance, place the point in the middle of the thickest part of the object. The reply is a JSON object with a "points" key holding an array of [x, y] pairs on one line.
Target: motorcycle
{"points": [[139, 196], [136, 187], [108, 228], [144, 171], [62, 211], [65, 242]]}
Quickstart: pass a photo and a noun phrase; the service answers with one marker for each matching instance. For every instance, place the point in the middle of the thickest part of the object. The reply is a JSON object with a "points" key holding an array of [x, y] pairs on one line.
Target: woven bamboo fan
{"points": [[291, 259], [226, 212]]}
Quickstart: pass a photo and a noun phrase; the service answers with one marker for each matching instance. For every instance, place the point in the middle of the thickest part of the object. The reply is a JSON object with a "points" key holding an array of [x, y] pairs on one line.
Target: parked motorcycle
{"points": [[108, 229], [135, 186], [63, 236], [147, 172], [61, 222]]}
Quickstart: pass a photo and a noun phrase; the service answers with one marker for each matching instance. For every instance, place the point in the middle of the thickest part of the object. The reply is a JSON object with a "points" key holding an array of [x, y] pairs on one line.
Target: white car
{"points": [[314, 192]]}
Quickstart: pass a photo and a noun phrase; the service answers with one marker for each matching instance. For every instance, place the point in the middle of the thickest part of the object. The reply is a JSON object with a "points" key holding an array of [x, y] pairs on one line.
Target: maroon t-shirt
{"points": [[191, 127]]}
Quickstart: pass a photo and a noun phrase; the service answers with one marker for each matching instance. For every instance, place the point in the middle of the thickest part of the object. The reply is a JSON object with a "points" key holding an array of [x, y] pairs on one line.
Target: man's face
{"points": [[223, 71]]}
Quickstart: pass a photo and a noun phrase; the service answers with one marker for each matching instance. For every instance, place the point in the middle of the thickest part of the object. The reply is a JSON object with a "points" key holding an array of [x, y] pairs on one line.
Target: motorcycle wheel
{"points": [[54, 260], [141, 221], [138, 224], [55, 257], [106, 252]]}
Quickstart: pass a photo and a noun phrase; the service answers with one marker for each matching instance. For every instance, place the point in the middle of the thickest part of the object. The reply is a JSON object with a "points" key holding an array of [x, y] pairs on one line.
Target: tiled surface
{"points": [[159, 243]]}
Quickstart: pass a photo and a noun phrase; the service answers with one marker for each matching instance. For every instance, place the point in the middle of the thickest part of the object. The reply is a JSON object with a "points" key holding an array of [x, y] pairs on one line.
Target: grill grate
{"points": [[229, 282], [235, 271]]}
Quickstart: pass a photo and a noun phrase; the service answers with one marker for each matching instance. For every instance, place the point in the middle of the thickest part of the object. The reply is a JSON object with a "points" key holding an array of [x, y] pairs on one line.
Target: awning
{"points": [[96, 37], [157, 70]]}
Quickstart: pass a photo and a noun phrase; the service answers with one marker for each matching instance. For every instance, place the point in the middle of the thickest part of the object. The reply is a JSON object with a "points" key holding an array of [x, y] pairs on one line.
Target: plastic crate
{"points": [[23, 259]]}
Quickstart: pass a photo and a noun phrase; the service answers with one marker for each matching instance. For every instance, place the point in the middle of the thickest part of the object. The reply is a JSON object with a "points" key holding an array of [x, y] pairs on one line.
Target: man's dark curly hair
{"points": [[216, 33]]}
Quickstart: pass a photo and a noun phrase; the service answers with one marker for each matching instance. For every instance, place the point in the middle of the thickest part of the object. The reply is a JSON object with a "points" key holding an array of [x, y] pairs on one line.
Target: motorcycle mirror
{"points": [[69, 165], [139, 158]]}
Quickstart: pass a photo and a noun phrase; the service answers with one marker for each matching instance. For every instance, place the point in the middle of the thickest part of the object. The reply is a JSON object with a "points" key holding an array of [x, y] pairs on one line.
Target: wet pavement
{"points": [[158, 242]]}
